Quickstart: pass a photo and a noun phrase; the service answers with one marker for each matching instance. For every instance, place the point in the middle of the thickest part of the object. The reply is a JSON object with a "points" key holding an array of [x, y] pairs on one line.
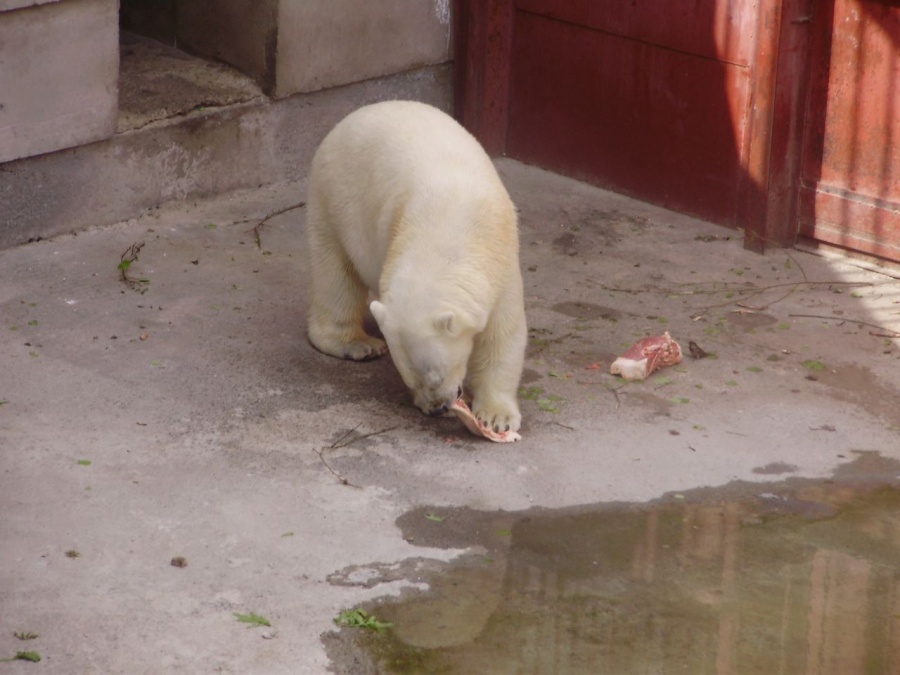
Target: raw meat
{"points": [[461, 410], [647, 355]]}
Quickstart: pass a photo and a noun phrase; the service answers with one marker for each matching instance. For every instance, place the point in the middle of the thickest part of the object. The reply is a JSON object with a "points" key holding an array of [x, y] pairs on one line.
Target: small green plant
{"points": [[358, 618], [253, 619], [812, 364], [548, 404], [130, 256], [434, 518], [84, 462], [34, 657], [530, 393]]}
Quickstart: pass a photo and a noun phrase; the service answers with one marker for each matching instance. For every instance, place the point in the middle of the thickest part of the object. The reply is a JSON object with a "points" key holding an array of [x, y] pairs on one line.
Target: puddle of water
{"points": [[800, 576]]}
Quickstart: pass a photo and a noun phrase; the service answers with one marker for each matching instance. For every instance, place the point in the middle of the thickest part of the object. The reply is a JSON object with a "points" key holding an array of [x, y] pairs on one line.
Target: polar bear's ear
{"points": [[446, 322], [379, 311]]}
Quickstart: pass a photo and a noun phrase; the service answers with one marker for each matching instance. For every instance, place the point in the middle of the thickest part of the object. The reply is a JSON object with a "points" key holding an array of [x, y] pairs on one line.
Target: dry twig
{"points": [[268, 217]]}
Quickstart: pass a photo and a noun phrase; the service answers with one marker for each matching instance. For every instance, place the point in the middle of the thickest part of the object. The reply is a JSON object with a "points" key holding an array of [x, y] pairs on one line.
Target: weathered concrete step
{"points": [[197, 153]]}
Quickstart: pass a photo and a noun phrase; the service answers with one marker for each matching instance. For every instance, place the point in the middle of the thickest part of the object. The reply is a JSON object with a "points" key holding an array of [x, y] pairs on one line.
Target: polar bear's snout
{"points": [[434, 403], [433, 392]]}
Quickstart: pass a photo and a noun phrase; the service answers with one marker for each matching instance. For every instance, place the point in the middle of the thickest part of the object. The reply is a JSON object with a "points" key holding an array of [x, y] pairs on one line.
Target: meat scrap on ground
{"points": [[647, 355], [462, 411]]}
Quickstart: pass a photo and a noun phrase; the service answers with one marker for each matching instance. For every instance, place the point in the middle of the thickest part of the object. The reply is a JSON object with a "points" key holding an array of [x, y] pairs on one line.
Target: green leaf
{"points": [[812, 364], [435, 519], [530, 393], [546, 405], [357, 618], [84, 462], [504, 532], [124, 265], [255, 620], [34, 657]]}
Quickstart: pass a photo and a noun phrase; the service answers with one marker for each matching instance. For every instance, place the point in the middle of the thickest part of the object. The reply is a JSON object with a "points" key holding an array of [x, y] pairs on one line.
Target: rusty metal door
{"points": [[648, 98], [850, 175]]}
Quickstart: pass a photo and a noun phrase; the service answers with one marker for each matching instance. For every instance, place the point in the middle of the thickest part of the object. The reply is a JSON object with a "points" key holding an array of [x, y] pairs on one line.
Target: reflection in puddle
{"points": [[794, 577]]}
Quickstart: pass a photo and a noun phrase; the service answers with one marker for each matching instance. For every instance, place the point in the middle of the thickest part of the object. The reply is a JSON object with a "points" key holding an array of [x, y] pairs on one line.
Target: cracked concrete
{"points": [[188, 416]]}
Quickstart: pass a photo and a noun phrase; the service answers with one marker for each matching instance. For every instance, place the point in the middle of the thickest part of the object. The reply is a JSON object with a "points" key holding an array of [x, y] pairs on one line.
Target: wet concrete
{"points": [[800, 576]]}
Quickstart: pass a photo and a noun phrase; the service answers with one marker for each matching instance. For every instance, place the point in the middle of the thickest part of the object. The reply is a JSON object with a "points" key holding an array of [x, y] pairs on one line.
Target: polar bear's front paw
{"points": [[501, 415], [364, 349], [355, 345]]}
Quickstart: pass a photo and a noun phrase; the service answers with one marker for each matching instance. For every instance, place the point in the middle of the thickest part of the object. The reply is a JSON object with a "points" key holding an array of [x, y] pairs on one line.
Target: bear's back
{"points": [[402, 141]]}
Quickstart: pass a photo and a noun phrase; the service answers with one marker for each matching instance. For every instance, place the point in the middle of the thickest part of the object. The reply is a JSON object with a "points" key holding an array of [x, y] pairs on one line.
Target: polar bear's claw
{"points": [[497, 417]]}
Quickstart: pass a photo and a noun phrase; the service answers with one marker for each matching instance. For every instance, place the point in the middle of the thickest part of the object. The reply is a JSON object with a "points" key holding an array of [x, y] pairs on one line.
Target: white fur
{"points": [[405, 205]]}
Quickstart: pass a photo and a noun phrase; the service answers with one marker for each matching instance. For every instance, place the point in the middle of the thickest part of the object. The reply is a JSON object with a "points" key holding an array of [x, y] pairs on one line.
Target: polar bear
{"points": [[406, 210]]}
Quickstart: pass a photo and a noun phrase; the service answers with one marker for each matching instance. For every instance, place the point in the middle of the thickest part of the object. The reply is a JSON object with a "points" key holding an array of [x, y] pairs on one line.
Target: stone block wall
{"points": [[59, 66]]}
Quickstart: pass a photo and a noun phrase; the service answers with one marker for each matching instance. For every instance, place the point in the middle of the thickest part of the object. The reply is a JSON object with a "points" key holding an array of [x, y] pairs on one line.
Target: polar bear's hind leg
{"points": [[338, 304]]}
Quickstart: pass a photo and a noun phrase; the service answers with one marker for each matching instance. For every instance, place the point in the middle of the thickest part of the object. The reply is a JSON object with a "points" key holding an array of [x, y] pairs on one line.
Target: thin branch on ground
{"points": [[343, 481], [343, 442], [131, 256], [544, 343], [268, 217], [884, 332], [339, 444]]}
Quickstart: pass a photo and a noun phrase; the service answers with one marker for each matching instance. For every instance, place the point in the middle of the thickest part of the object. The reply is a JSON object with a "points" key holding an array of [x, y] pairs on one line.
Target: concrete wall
{"points": [[296, 46], [58, 93], [201, 154], [241, 33], [325, 43], [59, 65]]}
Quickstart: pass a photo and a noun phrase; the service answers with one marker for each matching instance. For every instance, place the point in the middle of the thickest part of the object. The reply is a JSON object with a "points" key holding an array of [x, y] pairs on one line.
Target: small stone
{"points": [[179, 561]]}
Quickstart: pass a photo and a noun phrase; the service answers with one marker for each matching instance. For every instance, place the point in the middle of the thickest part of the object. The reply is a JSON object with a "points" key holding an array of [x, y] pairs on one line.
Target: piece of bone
{"points": [[647, 355], [462, 411]]}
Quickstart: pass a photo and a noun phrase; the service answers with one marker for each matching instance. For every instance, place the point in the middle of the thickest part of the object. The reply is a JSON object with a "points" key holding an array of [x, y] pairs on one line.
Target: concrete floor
{"points": [[187, 416]]}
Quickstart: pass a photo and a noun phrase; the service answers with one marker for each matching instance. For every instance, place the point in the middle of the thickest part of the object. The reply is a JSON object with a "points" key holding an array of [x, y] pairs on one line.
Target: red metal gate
{"points": [[702, 106], [850, 182], [648, 99]]}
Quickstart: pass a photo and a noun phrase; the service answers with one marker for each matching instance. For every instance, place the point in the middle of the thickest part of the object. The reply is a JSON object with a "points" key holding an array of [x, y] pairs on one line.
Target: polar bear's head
{"points": [[431, 352]]}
